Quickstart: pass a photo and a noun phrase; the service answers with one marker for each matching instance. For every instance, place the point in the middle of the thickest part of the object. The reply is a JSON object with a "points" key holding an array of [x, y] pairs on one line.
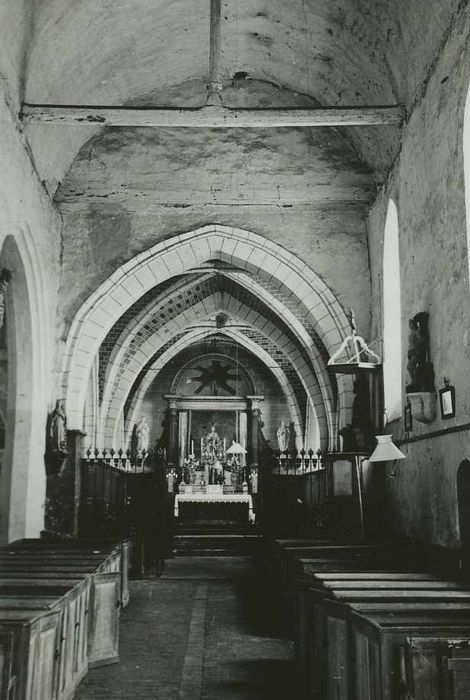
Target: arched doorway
{"points": [[463, 502], [19, 485]]}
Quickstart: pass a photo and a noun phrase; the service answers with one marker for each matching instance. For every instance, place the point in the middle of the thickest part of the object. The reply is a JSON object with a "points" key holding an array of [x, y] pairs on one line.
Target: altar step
{"points": [[217, 545]]}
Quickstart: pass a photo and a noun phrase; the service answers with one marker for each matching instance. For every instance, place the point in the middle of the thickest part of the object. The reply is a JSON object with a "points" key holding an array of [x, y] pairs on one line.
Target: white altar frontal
{"points": [[214, 494]]}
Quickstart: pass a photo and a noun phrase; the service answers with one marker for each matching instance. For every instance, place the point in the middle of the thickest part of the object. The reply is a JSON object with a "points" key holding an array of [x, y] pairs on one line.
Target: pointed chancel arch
{"points": [[182, 254], [189, 287], [124, 377], [197, 335], [392, 332]]}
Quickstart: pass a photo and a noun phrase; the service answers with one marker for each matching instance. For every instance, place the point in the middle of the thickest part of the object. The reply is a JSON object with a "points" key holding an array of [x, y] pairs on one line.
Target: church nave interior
{"points": [[234, 349]]}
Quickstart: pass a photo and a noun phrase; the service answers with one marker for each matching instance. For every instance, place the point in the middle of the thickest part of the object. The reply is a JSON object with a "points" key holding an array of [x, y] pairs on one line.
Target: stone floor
{"points": [[203, 631]]}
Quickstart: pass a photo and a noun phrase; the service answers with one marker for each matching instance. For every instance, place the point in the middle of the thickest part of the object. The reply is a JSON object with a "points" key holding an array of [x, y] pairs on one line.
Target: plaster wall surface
{"points": [[95, 245], [428, 188], [27, 217]]}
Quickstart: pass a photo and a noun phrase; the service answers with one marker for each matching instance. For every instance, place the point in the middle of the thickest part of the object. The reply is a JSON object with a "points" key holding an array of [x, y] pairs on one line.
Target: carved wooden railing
{"points": [[297, 463], [123, 493], [293, 488]]}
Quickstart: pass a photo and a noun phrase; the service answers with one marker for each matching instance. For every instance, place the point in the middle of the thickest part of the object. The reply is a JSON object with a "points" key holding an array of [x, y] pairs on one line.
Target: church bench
{"points": [[281, 557], [375, 576], [277, 552], [113, 555], [347, 562], [85, 591], [29, 640], [437, 665], [327, 584], [329, 645], [72, 603], [105, 601]]}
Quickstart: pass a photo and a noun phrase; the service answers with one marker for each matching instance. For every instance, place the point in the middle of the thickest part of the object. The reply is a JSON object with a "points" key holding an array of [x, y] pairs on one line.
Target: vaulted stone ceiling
{"points": [[155, 53]]}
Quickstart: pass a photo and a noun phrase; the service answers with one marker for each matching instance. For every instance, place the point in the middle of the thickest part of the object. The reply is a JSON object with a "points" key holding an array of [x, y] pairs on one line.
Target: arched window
{"points": [[466, 165], [392, 316]]}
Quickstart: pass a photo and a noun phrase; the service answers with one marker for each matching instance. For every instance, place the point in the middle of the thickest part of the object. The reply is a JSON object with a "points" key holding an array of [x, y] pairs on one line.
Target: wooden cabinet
{"points": [[104, 619]]}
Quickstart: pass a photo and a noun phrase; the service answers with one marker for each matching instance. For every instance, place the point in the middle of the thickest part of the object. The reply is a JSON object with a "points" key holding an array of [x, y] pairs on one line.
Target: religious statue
{"points": [[58, 429], [283, 435], [142, 435], [419, 368], [212, 442]]}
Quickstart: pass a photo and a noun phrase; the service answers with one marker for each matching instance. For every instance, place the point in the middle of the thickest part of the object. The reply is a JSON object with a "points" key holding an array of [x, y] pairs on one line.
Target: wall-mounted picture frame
{"points": [[408, 415], [447, 400]]}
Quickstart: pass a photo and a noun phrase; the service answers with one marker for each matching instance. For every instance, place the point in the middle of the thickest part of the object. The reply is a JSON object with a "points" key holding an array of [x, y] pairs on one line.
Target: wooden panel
{"points": [[7, 678], [361, 674], [43, 659], [125, 566], [338, 665], [104, 623], [438, 668]]}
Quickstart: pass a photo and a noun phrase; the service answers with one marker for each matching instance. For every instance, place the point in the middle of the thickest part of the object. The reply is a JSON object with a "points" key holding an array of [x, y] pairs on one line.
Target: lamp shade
{"points": [[385, 451], [236, 449]]}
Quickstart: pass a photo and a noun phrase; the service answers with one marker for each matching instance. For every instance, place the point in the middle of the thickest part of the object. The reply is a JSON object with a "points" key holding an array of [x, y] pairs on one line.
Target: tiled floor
{"points": [[204, 631]]}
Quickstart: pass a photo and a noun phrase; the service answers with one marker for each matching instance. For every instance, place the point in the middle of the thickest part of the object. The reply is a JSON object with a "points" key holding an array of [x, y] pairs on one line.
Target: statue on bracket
{"points": [[56, 444], [419, 367], [58, 428], [283, 436], [142, 435]]}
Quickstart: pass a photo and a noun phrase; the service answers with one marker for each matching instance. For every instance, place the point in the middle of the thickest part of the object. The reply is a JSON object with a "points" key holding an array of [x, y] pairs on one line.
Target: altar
{"points": [[218, 497]]}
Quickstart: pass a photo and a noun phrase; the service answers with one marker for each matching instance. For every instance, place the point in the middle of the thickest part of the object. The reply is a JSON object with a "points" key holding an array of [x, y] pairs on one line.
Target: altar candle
{"points": [[225, 445], [202, 443], [192, 448]]}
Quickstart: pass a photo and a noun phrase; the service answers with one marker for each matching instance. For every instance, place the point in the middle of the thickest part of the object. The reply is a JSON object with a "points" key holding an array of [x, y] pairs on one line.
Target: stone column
{"points": [[254, 443], [173, 436]]}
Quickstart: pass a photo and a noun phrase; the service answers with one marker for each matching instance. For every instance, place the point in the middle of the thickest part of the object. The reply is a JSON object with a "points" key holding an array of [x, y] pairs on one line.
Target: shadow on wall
{"points": [[463, 500]]}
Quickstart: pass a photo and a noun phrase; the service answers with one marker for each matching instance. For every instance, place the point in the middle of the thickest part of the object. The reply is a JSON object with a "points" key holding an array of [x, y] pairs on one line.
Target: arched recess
{"points": [[466, 165], [179, 255], [22, 477], [136, 328], [392, 332], [117, 392], [197, 335]]}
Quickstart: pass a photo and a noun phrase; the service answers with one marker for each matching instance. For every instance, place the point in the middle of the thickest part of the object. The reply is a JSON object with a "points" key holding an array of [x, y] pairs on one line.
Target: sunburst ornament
{"points": [[215, 377]]}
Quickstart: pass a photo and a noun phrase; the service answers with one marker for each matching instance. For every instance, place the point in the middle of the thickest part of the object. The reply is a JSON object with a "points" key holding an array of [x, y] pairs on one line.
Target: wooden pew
{"points": [[117, 554], [29, 640], [438, 666], [80, 587], [359, 583], [104, 603], [331, 672], [71, 602]]}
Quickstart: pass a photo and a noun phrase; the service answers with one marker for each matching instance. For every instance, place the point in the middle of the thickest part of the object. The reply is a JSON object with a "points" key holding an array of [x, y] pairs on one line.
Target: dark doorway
{"points": [[463, 499]]}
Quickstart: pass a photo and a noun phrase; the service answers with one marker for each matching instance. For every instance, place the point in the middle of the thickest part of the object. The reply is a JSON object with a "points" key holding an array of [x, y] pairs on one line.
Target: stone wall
{"points": [[427, 185], [29, 245]]}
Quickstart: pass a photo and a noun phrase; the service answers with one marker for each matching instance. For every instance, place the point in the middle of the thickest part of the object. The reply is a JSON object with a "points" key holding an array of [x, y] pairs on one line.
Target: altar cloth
{"points": [[215, 498]]}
